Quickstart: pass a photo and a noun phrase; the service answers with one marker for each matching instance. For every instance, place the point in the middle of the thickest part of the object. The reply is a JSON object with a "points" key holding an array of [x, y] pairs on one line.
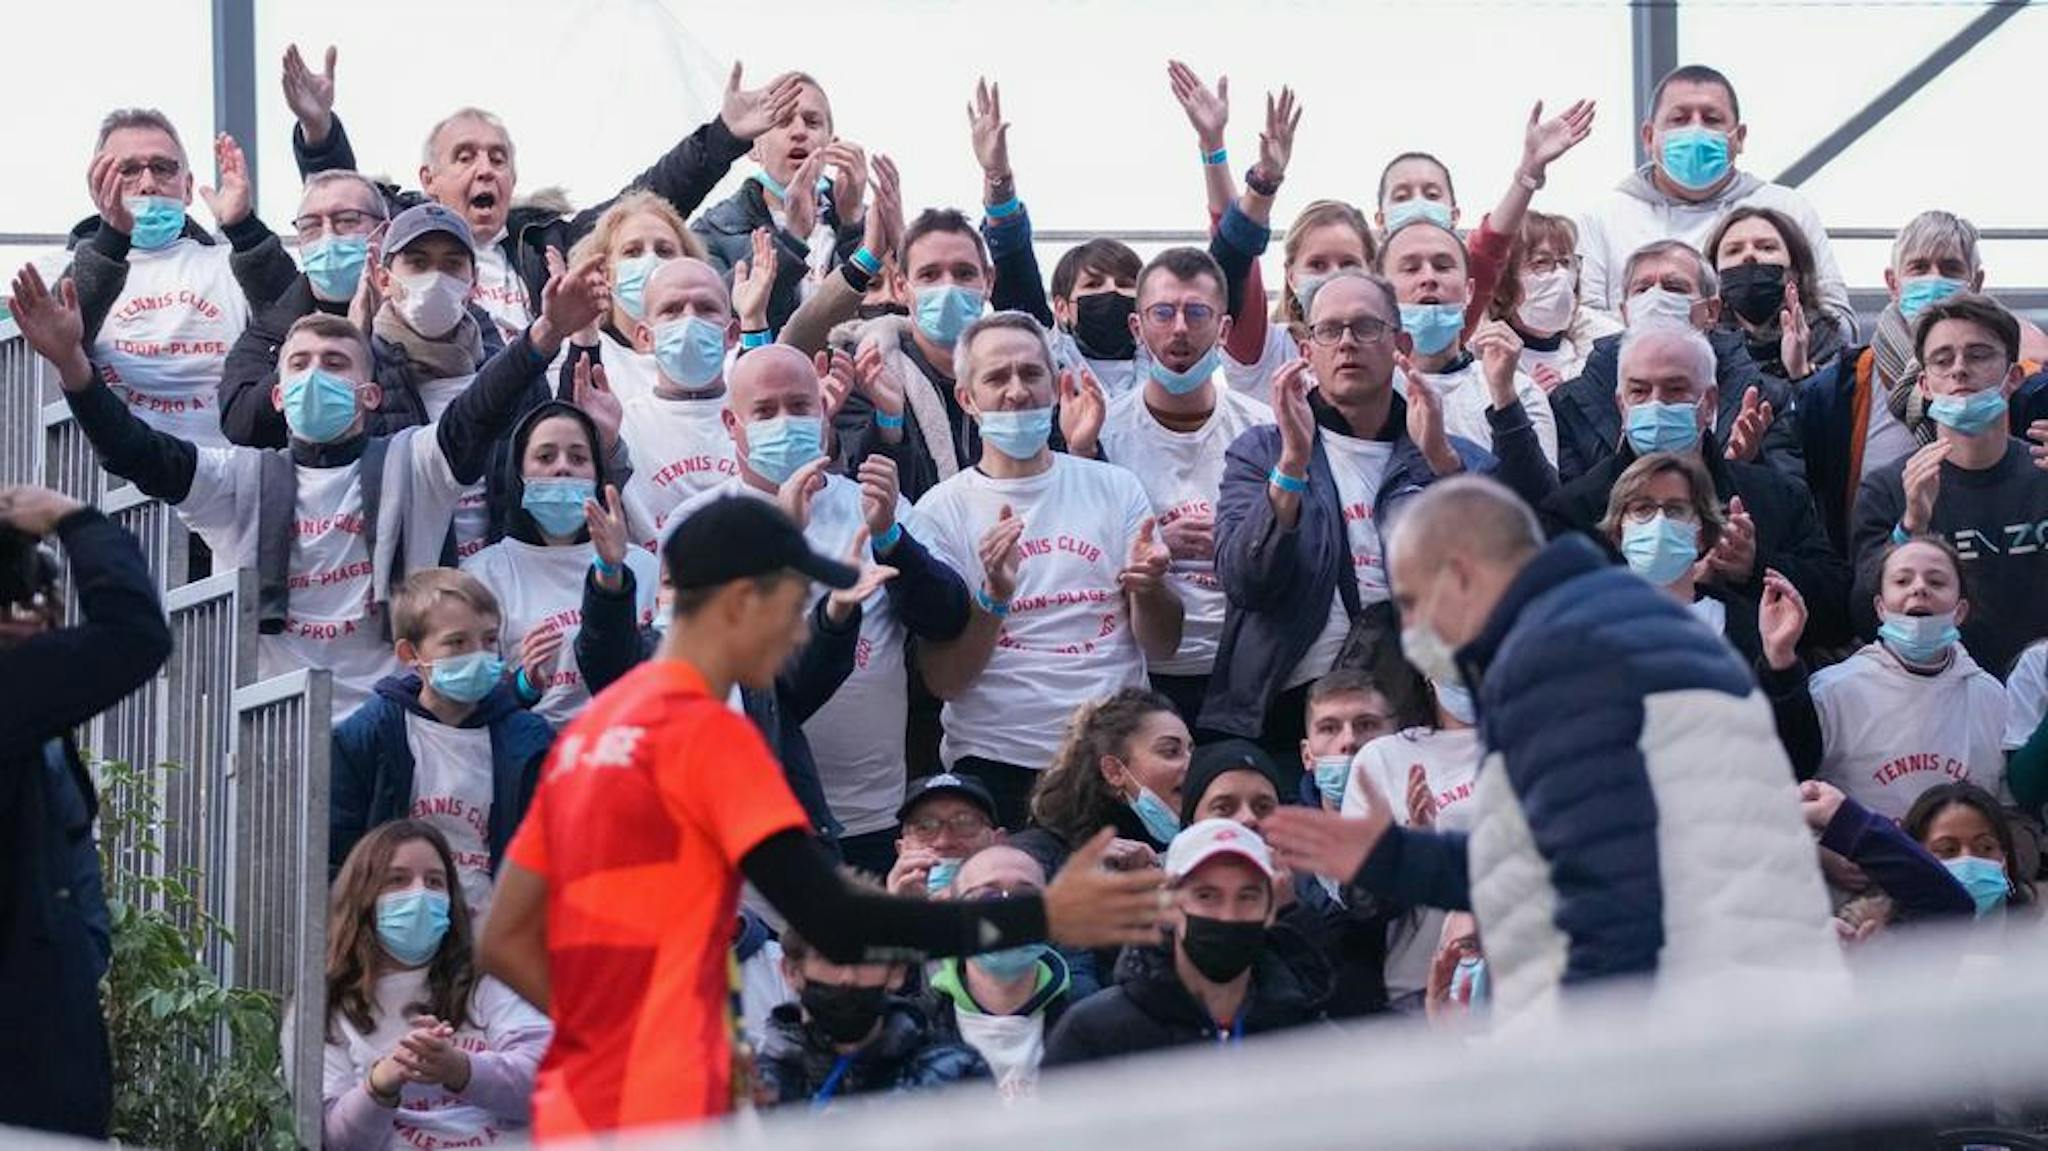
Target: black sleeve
{"points": [[261, 266], [486, 410], [1236, 244], [1019, 287], [796, 874], [792, 255], [161, 465], [927, 594], [99, 270], [816, 671], [689, 171], [334, 154], [247, 416], [1798, 721], [59, 679], [609, 645]]}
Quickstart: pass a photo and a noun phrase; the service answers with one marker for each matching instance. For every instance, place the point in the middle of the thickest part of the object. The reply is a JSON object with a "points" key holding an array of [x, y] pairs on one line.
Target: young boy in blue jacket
{"points": [[445, 741]]}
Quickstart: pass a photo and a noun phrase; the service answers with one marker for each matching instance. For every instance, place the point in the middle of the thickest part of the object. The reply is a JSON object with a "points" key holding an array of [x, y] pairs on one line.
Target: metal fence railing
{"points": [[21, 405], [279, 902], [213, 652], [69, 463]]}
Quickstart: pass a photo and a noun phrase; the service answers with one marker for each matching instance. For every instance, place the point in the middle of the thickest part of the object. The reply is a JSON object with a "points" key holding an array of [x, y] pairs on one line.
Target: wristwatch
{"points": [[1262, 182], [1533, 183]]}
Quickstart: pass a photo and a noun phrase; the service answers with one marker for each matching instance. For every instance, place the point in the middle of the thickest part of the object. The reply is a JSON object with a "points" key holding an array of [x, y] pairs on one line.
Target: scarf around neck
{"points": [[459, 353], [1897, 373]]}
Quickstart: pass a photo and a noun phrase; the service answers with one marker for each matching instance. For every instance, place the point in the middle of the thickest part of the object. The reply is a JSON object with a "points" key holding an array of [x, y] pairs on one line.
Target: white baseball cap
{"points": [[1201, 842]]}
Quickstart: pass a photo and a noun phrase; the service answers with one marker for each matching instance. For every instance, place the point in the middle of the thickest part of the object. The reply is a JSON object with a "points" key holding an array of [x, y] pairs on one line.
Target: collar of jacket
{"points": [[950, 981], [1328, 418], [404, 690], [904, 1031], [1711, 457], [1564, 559], [1642, 185], [340, 453], [1274, 999]]}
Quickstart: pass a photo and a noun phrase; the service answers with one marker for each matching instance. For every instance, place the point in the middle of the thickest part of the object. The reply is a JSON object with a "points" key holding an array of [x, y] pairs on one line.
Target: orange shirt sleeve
{"points": [[726, 782], [529, 846]]}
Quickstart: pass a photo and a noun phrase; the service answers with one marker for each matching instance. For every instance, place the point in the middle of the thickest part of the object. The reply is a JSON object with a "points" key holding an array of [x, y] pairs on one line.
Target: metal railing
{"points": [[279, 898], [22, 394], [213, 652]]}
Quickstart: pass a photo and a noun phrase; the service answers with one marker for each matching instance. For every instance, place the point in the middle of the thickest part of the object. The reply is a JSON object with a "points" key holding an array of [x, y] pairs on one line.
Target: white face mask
{"points": [[433, 303], [1547, 301], [1658, 306]]}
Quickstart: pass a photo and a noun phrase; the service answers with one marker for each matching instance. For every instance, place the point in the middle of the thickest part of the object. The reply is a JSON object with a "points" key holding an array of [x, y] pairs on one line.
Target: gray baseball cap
{"points": [[422, 220]]}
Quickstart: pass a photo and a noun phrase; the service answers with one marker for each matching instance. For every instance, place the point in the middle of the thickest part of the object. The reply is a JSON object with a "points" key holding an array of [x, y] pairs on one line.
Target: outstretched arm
{"points": [[1543, 141], [1006, 226]]}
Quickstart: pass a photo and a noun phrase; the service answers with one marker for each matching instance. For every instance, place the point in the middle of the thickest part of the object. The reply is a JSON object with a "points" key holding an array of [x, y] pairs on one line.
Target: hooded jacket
{"points": [[727, 229], [947, 1001], [1637, 212], [798, 1060], [371, 779], [1150, 1009]]}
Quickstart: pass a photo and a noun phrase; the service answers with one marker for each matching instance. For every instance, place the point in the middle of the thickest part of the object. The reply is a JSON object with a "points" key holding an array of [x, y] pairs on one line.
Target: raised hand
{"points": [[753, 282], [51, 323], [593, 393], [800, 205], [1000, 555], [1326, 843], [1191, 536], [103, 183], [1546, 377], [883, 229], [1545, 140], [310, 94], [537, 654], [607, 525], [1208, 111], [991, 134], [229, 202], [573, 299], [876, 380], [1426, 420], [851, 186], [1422, 809], [1145, 572], [1088, 904], [835, 382], [748, 112], [802, 486], [1082, 410], [907, 875], [1500, 356], [1780, 620], [34, 511], [1794, 347], [1276, 141], [427, 1054], [841, 603], [879, 491], [1923, 485], [1733, 559], [1297, 422], [363, 306], [1746, 437]]}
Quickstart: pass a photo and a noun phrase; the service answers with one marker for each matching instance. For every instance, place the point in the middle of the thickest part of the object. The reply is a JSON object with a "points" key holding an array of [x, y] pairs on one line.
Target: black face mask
{"points": [[1755, 292], [870, 311], [1222, 949], [846, 1014], [1102, 326]]}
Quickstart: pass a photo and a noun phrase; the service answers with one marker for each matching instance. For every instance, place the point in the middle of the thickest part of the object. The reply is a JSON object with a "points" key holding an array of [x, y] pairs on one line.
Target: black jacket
{"points": [[54, 935], [1589, 423], [1149, 1009], [727, 229], [683, 177], [797, 1060]]}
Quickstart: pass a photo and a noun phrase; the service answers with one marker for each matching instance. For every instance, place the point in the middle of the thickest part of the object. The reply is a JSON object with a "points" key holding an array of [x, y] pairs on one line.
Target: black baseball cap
{"points": [[740, 537], [1222, 758], [946, 783]]}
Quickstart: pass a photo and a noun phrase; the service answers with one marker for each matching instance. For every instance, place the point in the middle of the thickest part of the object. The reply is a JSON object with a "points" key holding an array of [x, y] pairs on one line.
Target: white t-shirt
{"points": [[1115, 376], [1885, 439], [541, 589], [1256, 379], [1182, 473], [499, 290], [1068, 637], [1450, 761], [629, 374], [501, 1025], [1360, 466], [472, 511], [857, 738], [165, 342], [452, 784], [680, 449], [2026, 695], [1465, 403], [1711, 612], [1888, 734]]}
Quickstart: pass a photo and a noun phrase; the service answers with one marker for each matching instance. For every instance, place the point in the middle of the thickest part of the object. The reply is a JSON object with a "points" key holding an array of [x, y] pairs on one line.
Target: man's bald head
{"points": [[770, 383], [1000, 867], [691, 280], [1454, 549]]}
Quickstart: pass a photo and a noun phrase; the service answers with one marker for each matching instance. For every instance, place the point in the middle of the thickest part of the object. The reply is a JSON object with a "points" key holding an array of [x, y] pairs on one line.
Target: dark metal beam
{"points": [[1900, 91], [234, 79], [1653, 38]]}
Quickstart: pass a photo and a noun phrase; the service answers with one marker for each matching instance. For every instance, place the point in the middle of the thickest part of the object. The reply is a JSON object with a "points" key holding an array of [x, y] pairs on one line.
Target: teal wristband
{"points": [[1006, 209], [989, 605], [1287, 483], [603, 568], [760, 339], [866, 261], [1219, 156], [1900, 535], [889, 539], [888, 422], [524, 686]]}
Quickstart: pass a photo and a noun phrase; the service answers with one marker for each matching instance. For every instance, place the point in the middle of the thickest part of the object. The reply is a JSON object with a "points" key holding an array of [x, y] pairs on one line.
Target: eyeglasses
{"points": [[1643, 511], [1365, 329], [1197, 313], [162, 168], [1543, 263], [346, 222], [965, 824], [991, 893]]}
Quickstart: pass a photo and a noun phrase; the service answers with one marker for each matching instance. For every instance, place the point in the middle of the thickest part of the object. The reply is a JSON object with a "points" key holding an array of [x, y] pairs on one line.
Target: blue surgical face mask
{"points": [[1161, 822], [468, 677], [1181, 383], [1654, 426], [690, 351], [1694, 158], [944, 311], [1456, 701], [777, 448], [1433, 327], [1407, 211], [334, 265], [1660, 549], [1920, 291], [1470, 972], [1020, 435], [159, 220], [940, 877], [1920, 639], [629, 282], [1984, 879], [556, 503], [1013, 963], [1332, 773], [1970, 415], [411, 923], [319, 406]]}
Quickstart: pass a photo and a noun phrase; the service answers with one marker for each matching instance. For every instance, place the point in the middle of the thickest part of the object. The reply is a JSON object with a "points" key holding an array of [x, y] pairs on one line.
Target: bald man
{"points": [[1635, 813], [676, 429], [1668, 402], [774, 416]]}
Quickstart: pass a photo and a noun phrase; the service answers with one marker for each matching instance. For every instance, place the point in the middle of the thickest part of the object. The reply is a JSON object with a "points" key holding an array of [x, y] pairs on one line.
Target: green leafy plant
{"points": [[196, 1063]]}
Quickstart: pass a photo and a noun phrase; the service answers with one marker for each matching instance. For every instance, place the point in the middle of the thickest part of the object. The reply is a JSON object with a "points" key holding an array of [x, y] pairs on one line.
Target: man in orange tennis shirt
{"points": [[615, 905]]}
